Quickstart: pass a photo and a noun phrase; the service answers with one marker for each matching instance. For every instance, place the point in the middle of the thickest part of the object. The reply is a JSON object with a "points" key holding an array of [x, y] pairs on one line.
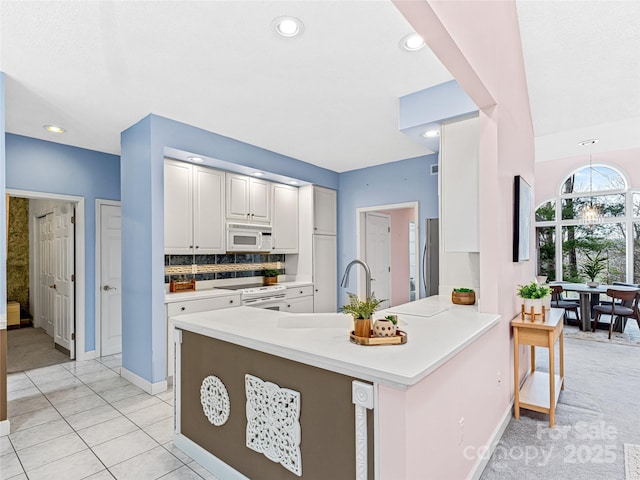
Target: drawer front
{"points": [[295, 292], [203, 304]]}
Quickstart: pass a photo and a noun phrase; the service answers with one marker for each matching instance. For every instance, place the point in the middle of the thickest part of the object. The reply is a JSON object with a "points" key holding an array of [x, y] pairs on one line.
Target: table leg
{"points": [[585, 311], [561, 344], [516, 380], [533, 358], [552, 382]]}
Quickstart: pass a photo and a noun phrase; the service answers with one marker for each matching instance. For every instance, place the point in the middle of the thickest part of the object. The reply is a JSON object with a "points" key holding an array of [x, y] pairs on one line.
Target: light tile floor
{"points": [[82, 420]]}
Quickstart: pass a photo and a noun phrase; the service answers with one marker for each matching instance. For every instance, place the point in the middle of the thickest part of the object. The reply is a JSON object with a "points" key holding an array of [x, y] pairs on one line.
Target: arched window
{"points": [[569, 242]]}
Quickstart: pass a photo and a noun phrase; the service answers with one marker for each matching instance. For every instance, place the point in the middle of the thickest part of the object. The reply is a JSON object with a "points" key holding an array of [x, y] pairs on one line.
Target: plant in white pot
{"points": [[535, 296]]}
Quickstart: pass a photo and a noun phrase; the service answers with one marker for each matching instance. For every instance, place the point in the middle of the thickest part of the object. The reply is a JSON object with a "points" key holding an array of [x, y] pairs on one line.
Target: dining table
{"points": [[591, 296]]}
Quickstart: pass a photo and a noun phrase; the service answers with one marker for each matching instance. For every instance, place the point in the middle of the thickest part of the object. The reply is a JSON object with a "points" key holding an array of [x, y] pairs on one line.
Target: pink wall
{"points": [[400, 219], [555, 171], [479, 43]]}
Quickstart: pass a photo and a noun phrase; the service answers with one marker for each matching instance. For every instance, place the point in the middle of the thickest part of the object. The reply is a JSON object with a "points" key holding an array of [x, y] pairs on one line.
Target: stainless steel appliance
{"points": [[430, 260], [245, 237], [270, 297]]}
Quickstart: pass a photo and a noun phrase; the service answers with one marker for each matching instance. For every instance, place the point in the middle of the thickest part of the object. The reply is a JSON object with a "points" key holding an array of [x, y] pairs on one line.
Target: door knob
{"points": [[106, 288], [53, 286]]}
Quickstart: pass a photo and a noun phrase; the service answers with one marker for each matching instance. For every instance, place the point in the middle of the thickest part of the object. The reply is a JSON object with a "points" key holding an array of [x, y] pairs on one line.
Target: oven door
{"points": [[243, 240], [276, 302]]}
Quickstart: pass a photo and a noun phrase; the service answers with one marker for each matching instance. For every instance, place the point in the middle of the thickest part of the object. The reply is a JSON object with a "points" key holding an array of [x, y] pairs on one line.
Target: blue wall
{"points": [[3, 215], [39, 166], [143, 312], [396, 182]]}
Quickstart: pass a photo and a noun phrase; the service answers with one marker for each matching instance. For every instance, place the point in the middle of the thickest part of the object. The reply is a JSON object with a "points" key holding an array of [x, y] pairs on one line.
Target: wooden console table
{"points": [[540, 390]]}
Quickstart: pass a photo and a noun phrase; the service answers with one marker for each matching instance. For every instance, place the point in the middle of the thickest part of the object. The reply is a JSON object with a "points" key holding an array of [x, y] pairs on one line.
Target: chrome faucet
{"points": [[367, 273]]}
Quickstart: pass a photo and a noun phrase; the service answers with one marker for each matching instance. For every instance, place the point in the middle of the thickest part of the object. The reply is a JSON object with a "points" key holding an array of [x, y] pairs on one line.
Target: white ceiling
{"points": [[582, 62], [329, 97]]}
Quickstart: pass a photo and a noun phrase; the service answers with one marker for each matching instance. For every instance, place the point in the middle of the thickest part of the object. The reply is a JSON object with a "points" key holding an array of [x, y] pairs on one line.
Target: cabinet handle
{"points": [[183, 308], [230, 301], [197, 246], [190, 246], [300, 292], [316, 289]]}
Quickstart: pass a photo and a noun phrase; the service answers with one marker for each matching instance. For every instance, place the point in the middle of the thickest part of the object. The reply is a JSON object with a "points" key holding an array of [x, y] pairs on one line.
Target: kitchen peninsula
{"points": [[303, 399]]}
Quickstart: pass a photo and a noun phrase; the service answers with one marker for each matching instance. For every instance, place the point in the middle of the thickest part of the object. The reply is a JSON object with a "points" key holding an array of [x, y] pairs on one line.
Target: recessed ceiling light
{"points": [[54, 128], [196, 159], [590, 141], [288, 26], [258, 174], [431, 134], [293, 182], [412, 42]]}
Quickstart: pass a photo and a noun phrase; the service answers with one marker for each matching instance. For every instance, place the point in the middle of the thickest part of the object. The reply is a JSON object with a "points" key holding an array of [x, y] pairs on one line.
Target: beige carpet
{"points": [[29, 348]]}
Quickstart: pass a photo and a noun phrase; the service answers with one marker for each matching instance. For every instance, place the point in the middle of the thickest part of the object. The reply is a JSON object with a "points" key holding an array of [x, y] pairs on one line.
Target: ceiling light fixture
{"points": [[412, 42], [258, 174], [288, 26], [54, 128], [196, 159], [431, 134], [590, 213], [293, 182]]}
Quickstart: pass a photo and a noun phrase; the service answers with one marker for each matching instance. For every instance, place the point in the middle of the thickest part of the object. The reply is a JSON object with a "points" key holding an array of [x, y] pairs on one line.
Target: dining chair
{"points": [[557, 301], [624, 305]]}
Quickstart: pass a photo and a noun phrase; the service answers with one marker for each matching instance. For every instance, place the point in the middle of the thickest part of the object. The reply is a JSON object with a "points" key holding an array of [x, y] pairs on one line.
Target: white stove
{"points": [[271, 297]]}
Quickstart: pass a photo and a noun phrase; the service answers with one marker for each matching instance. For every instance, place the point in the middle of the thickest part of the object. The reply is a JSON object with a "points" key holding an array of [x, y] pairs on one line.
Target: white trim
{"points": [[150, 388], [212, 463], [5, 428], [483, 461], [98, 301], [3, 322], [90, 355], [360, 237], [80, 283]]}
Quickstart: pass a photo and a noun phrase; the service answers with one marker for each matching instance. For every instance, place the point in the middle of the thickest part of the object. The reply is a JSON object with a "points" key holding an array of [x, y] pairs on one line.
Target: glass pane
{"points": [[546, 212], [636, 204], [598, 179], [636, 253], [609, 205], [580, 244], [546, 247]]}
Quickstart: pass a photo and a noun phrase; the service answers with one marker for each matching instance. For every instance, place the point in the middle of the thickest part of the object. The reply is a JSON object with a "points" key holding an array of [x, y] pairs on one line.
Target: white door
{"points": [[325, 274], [45, 273], [63, 288], [110, 280], [378, 255]]}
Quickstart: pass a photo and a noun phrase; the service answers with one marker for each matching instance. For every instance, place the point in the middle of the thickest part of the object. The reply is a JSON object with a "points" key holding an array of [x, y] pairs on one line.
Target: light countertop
{"points": [[322, 340], [217, 292]]}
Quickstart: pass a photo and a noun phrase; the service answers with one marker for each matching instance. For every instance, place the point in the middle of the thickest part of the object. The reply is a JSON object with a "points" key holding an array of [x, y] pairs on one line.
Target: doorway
{"points": [[390, 255], [108, 278], [66, 272]]}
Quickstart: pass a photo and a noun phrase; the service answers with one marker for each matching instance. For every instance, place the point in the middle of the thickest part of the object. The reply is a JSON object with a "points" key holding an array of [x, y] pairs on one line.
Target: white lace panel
{"points": [[215, 400], [273, 422]]}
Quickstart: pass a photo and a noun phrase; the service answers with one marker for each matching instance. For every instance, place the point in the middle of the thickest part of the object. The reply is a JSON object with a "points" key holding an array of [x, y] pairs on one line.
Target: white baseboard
{"points": [[5, 428], [495, 438], [206, 459], [147, 386]]}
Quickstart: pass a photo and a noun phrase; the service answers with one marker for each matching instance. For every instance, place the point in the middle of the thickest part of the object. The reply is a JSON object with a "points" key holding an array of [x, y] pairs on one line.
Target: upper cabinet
{"points": [[193, 209], [284, 218], [248, 199], [324, 211]]}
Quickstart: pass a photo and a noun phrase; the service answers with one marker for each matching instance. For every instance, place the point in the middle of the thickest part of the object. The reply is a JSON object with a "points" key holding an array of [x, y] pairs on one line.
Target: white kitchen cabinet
{"points": [[324, 211], [193, 306], [193, 209], [300, 299], [325, 273], [284, 218], [248, 199]]}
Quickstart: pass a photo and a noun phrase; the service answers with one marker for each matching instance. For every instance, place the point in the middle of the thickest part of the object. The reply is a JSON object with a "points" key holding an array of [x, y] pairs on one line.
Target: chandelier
{"points": [[590, 213]]}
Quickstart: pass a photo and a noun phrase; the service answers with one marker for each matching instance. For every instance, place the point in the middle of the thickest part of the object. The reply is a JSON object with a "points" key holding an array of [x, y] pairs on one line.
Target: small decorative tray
{"points": [[188, 286], [399, 338]]}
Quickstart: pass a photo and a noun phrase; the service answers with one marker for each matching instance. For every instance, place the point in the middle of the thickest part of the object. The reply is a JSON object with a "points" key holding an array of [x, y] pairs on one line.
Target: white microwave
{"points": [[244, 237]]}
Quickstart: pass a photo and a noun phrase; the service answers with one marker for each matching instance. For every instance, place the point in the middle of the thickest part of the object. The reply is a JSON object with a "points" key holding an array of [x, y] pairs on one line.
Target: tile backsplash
{"points": [[227, 266]]}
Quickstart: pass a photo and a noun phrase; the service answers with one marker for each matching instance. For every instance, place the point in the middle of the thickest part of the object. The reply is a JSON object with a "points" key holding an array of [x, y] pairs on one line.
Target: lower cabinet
{"points": [[193, 306], [300, 299]]}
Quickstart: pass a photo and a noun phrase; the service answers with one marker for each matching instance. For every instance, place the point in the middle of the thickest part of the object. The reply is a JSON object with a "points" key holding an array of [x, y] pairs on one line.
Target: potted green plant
{"points": [[535, 296], [463, 296], [270, 276], [593, 266], [361, 311]]}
